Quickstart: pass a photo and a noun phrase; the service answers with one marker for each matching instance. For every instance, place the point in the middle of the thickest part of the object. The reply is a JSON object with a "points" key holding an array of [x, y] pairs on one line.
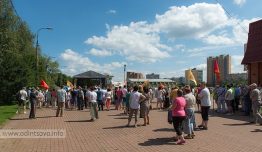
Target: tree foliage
{"points": [[18, 57]]}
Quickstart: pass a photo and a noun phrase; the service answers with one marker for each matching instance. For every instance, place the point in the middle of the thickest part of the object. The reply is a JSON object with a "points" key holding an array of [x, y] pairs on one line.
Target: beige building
{"points": [[224, 63], [134, 75], [237, 78], [198, 74]]}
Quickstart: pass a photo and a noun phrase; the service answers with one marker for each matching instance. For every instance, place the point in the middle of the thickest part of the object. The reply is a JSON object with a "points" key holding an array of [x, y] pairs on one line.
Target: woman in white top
{"points": [[108, 98], [160, 94]]}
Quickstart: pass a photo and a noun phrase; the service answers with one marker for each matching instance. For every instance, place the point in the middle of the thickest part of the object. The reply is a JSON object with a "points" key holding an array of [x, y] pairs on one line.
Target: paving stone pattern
{"points": [[108, 133]]}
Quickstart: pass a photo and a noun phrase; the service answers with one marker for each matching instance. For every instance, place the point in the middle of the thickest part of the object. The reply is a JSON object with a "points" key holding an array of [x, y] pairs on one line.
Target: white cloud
{"points": [[115, 65], [141, 41], [239, 2], [241, 28], [75, 63], [236, 64], [97, 52], [218, 40], [174, 73], [236, 36], [204, 68], [111, 12], [194, 21], [137, 42], [204, 49], [201, 66]]}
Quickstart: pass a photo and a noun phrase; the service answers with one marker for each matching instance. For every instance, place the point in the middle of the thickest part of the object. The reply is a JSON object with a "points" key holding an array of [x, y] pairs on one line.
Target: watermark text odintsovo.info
{"points": [[32, 133]]}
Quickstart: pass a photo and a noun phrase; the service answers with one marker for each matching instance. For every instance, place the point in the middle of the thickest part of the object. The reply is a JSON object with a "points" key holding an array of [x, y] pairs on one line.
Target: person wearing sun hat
{"points": [[256, 102]]}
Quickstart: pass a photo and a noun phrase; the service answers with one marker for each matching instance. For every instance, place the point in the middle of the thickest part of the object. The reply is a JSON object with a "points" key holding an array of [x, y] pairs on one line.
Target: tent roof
{"points": [[150, 80], [90, 74]]}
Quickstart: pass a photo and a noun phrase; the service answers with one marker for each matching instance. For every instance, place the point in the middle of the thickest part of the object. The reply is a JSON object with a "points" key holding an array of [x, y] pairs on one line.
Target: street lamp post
{"points": [[36, 50], [124, 74]]}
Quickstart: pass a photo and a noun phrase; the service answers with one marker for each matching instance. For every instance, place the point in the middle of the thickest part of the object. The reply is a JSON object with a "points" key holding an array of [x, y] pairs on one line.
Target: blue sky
{"points": [[160, 36]]}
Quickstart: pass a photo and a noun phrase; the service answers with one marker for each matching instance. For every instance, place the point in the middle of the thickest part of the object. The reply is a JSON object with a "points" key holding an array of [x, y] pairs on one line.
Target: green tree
{"points": [[18, 56]]}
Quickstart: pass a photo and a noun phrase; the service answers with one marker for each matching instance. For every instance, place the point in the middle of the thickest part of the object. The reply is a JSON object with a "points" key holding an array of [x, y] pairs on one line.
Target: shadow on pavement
{"points": [[121, 114], [257, 130], [121, 118], [158, 141], [164, 129], [116, 127], [79, 121], [238, 124], [18, 118], [237, 116], [45, 116]]}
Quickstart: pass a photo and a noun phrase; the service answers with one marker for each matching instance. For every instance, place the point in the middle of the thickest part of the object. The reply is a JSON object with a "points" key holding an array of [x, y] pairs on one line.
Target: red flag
{"points": [[216, 71], [44, 85]]}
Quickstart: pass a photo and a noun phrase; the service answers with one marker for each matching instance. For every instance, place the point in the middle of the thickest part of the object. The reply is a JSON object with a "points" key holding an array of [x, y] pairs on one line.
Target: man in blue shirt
{"points": [[100, 99]]}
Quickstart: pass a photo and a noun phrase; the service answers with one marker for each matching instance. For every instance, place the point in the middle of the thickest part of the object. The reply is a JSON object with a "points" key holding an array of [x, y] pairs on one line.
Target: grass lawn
{"points": [[7, 112]]}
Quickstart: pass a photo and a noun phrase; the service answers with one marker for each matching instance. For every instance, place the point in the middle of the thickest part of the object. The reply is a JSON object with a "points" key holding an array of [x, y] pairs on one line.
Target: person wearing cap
{"points": [[256, 102]]}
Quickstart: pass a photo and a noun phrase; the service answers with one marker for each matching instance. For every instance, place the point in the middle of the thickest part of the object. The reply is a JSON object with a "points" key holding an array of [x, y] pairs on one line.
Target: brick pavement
{"points": [[232, 134]]}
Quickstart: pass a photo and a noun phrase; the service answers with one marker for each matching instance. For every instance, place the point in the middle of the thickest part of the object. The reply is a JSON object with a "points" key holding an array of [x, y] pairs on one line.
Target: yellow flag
{"points": [[146, 83], [191, 77], [68, 83]]}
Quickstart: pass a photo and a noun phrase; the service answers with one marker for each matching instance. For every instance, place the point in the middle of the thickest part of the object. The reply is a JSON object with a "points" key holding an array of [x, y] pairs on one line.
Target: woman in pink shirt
{"points": [[179, 115]]}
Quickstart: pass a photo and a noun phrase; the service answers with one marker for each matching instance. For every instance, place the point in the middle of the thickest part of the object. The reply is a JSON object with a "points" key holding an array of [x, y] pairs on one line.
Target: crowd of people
{"points": [[232, 100], [136, 100]]}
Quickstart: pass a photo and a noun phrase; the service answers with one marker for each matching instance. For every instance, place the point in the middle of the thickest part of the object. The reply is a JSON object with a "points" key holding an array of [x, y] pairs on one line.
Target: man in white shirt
{"points": [[93, 104], [22, 100], [61, 98], [204, 97], [134, 104]]}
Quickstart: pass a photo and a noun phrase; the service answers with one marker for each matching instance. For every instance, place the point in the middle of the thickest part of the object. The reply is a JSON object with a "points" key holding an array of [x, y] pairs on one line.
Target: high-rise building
{"points": [[152, 76], [224, 63], [198, 74], [134, 75]]}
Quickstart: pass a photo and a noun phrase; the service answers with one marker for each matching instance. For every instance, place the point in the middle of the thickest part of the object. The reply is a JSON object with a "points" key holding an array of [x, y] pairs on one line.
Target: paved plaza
{"points": [[108, 133]]}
